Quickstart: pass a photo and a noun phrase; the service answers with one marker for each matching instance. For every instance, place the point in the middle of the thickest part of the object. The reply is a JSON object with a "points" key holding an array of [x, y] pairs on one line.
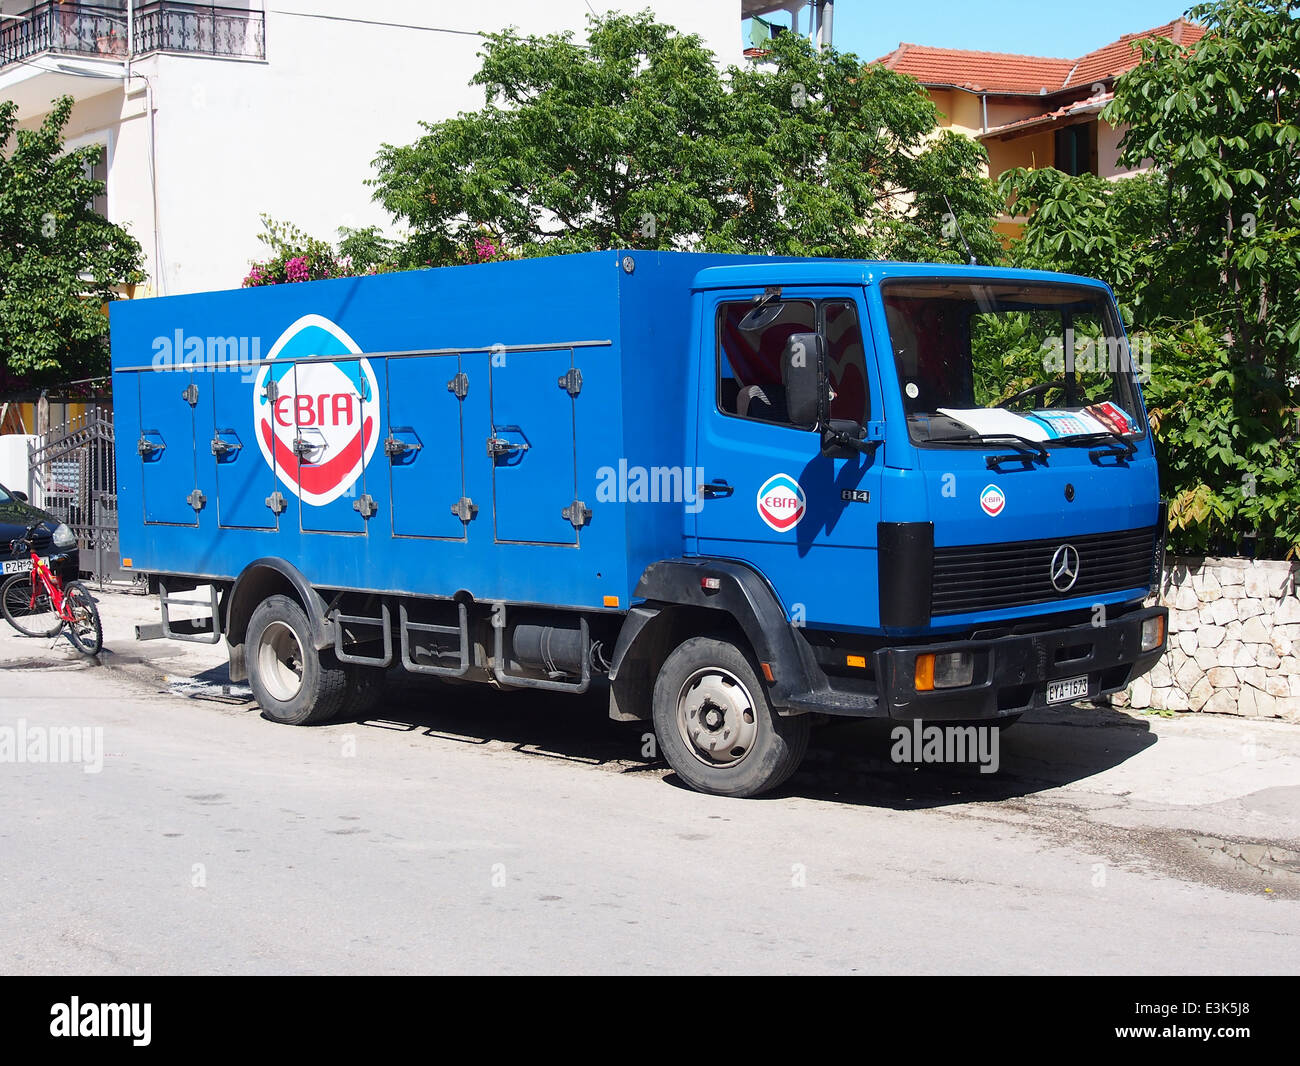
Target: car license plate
{"points": [[17, 566], [1072, 688]]}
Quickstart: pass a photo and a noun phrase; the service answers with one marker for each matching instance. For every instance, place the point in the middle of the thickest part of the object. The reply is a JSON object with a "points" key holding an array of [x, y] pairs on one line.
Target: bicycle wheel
{"points": [[85, 630], [31, 617]]}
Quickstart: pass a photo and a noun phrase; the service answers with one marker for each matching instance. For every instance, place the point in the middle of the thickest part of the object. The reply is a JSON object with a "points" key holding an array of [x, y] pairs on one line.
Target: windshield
{"points": [[4, 495], [1038, 361]]}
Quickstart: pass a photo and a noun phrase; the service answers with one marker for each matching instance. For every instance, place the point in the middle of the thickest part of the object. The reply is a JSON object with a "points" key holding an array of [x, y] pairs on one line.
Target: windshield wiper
{"points": [[1121, 447], [1024, 448]]}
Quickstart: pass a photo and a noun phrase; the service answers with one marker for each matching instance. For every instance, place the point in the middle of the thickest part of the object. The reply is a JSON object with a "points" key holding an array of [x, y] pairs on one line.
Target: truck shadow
{"points": [[848, 761]]}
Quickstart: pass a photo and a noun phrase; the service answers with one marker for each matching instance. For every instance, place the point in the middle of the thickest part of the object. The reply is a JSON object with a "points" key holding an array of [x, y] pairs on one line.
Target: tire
{"points": [[16, 602], [364, 690], [715, 725], [292, 682], [87, 632]]}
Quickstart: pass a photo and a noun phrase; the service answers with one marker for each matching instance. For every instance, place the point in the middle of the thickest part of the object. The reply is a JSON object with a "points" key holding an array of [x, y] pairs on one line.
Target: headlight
{"points": [[64, 537], [951, 670]]}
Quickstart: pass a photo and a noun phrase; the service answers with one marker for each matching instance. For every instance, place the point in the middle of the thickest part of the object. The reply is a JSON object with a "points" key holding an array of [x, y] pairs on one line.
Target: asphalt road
{"points": [[462, 830]]}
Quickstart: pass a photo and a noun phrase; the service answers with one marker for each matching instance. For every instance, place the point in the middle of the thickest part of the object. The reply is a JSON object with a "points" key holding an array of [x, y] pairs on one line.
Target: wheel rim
{"points": [[716, 717], [280, 661]]}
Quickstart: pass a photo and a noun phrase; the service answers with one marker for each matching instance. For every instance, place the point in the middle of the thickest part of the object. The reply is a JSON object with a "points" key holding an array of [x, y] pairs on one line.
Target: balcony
{"points": [[100, 30]]}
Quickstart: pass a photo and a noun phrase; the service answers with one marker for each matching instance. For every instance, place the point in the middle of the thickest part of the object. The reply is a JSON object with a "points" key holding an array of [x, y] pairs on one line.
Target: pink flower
{"points": [[484, 247], [296, 269]]}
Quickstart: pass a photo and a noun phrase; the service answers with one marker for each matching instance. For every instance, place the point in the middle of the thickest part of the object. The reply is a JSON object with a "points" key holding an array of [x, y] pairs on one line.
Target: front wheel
{"points": [[85, 630], [32, 615], [715, 725]]}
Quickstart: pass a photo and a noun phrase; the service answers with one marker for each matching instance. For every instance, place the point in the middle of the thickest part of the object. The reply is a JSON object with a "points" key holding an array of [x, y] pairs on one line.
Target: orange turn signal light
{"points": [[924, 677]]}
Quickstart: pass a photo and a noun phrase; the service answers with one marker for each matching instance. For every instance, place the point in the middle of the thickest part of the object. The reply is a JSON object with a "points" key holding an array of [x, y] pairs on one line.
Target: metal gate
{"points": [[72, 473]]}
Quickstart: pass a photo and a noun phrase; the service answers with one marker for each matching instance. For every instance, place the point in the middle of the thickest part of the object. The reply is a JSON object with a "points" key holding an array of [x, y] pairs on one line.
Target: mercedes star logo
{"points": [[1065, 568]]}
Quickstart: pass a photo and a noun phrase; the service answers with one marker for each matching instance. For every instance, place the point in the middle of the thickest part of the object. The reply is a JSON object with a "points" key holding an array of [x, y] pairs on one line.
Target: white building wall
{"points": [[295, 136]]}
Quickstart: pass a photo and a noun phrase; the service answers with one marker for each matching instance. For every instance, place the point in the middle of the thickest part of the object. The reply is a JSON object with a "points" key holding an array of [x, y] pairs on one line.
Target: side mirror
{"points": [[802, 376], [21, 497]]}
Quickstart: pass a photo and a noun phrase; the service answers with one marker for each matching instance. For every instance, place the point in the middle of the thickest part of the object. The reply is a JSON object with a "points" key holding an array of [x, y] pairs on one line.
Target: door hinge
{"points": [[459, 385], [578, 513], [365, 506], [191, 395], [276, 502], [196, 499], [571, 382], [465, 509], [272, 391]]}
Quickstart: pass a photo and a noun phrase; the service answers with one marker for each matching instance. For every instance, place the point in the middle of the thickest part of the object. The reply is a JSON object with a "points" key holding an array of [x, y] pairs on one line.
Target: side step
{"points": [[519, 681], [202, 630], [407, 627], [381, 623]]}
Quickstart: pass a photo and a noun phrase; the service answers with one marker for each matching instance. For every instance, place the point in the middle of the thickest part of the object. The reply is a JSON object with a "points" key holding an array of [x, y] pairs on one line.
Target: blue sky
{"points": [[1032, 27]]}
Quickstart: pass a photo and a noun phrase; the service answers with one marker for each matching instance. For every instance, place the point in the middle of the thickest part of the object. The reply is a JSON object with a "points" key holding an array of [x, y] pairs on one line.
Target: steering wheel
{"points": [[1024, 394]]}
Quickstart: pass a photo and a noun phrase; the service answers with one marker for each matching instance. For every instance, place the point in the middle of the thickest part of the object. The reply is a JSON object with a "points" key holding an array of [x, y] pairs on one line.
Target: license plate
{"points": [[1072, 688], [17, 566]]}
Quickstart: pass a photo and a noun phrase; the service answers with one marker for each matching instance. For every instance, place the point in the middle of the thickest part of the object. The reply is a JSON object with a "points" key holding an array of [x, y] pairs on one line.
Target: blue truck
{"points": [[740, 494]]}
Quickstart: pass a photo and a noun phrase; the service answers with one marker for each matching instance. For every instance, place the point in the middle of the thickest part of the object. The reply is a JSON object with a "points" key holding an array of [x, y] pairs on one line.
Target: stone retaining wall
{"points": [[1234, 641]]}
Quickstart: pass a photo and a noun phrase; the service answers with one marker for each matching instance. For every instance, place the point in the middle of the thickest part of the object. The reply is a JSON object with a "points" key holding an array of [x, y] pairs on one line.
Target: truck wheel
{"points": [[292, 682], [715, 725], [365, 690]]}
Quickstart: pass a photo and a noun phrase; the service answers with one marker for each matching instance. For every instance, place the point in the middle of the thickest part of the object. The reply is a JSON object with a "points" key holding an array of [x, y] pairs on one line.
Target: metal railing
{"points": [[162, 26]]}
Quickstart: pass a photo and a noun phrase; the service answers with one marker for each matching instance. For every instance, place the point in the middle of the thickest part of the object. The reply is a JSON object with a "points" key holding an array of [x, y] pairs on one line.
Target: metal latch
{"points": [[498, 446], [145, 447], [578, 513], [459, 385], [394, 447], [365, 505], [196, 499], [276, 502], [465, 509], [222, 447], [571, 382]]}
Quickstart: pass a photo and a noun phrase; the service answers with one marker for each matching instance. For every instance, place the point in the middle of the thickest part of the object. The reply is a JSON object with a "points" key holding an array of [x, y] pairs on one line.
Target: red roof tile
{"points": [[1004, 72]]}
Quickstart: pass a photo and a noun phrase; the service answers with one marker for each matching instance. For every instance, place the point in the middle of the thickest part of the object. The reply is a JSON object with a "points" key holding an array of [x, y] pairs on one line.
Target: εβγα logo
{"points": [[781, 502], [992, 500], [318, 426]]}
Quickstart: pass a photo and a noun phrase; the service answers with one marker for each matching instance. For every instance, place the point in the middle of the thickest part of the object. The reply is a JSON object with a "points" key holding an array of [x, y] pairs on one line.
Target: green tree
{"points": [[60, 262], [1204, 255], [637, 140], [1221, 121]]}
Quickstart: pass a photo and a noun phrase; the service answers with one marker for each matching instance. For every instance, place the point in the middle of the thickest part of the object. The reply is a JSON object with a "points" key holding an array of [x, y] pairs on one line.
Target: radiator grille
{"points": [[983, 577]]}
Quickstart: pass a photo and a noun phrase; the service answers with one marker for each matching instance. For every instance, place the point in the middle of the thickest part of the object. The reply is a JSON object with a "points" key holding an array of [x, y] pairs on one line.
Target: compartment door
{"points": [[531, 447], [166, 447], [245, 478], [423, 446]]}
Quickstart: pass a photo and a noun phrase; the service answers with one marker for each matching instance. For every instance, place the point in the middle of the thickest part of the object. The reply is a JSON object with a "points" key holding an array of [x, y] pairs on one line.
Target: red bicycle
{"points": [[38, 605]]}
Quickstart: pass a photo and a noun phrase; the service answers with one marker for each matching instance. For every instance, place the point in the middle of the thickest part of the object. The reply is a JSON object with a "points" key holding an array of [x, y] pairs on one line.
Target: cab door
{"points": [[805, 521]]}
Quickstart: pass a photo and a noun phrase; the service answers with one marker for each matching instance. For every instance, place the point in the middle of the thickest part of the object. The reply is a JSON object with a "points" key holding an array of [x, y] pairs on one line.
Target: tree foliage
{"points": [[60, 262], [1204, 254], [636, 139]]}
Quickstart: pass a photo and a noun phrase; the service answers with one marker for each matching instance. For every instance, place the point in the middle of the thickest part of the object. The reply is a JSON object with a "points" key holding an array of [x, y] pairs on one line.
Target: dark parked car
{"points": [[52, 538]]}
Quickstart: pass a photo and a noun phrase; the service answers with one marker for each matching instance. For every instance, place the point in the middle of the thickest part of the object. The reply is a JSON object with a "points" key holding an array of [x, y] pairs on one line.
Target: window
{"points": [[750, 343], [1074, 149]]}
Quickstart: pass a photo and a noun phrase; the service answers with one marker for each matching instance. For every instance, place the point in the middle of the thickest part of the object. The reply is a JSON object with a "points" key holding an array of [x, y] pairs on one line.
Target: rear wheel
{"points": [[292, 682], [85, 630], [31, 617], [715, 725]]}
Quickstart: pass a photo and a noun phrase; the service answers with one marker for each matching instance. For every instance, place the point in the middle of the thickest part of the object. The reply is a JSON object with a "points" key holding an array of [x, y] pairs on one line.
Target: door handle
{"points": [[498, 446], [717, 488]]}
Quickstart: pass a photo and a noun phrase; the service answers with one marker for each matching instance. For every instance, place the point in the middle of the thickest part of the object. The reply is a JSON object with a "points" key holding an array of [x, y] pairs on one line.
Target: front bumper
{"points": [[1012, 672]]}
